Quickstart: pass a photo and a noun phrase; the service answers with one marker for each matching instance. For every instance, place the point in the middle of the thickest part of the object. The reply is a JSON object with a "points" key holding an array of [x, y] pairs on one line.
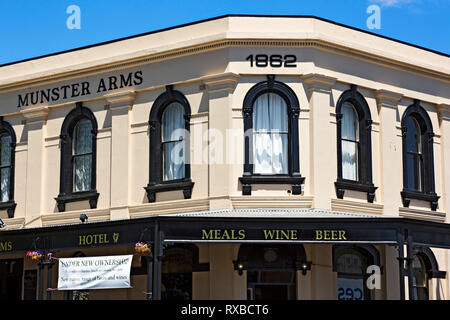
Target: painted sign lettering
{"points": [[79, 89], [223, 234], [331, 235], [6, 246], [274, 234], [101, 238]]}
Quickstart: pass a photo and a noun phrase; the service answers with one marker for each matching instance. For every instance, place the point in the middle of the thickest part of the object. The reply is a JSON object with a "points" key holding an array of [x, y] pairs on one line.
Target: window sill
{"points": [[9, 206], [342, 185], [407, 195], [186, 185], [247, 181], [62, 199]]}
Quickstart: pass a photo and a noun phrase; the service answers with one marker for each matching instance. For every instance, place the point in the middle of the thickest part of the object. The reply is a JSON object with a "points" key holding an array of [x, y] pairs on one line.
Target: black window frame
{"points": [[364, 165], [156, 182], [10, 205], [427, 172], [66, 193], [293, 177], [368, 252]]}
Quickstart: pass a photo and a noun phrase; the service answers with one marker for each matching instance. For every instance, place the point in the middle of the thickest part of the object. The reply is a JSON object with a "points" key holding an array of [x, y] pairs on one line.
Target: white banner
{"points": [[109, 272]]}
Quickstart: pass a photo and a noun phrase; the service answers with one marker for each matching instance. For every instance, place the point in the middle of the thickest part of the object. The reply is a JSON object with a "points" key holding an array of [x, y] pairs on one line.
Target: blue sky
{"points": [[31, 28]]}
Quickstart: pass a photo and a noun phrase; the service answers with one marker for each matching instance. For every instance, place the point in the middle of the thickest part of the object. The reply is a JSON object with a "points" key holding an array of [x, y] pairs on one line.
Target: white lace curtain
{"points": [[5, 155], [349, 129], [270, 135], [82, 156], [172, 140]]}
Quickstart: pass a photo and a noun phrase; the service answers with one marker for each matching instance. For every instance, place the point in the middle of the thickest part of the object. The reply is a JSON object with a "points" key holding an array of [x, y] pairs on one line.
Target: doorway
{"points": [[271, 285], [11, 272], [271, 270]]}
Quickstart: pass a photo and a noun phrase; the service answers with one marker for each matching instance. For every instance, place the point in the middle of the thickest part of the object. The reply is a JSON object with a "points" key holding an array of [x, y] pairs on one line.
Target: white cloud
{"points": [[392, 3]]}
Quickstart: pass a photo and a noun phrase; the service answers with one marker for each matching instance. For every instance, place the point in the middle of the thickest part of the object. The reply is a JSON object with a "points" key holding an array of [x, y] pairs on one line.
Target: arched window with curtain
{"points": [[418, 159], [270, 112], [7, 161], [350, 142], [270, 134], [169, 145], [78, 158], [172, 142], [354, 146]]}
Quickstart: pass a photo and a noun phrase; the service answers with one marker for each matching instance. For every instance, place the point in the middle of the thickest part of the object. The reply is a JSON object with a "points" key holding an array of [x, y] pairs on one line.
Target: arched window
{"points": [[270, 113], [169, 145], [270, 135], [418, 160], [82, 155], [424, 267], [350, 142], [172, 141], [420, 278], [7, 159], [354, 145], [78, 158], [350, 263]]}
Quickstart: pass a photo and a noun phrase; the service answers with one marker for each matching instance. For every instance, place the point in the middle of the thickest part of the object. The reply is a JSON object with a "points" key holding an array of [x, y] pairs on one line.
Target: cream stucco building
{"points": [[308, 152]]}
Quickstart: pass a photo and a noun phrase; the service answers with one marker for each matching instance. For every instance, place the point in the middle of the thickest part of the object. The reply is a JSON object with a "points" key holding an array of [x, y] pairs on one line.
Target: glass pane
{"points": [[350, 288], [5, 150], [413, 172], [270, 153], [270, 140], [173, 159], [420, 279], [82, 173], [173, 123], [82, 137], [270, 113], [350, 263], [5, 180], [349, 160], [413, 135], [349, 122]]}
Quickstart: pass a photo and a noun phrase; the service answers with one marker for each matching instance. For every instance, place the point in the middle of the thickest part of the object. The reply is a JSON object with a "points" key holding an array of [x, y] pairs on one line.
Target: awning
{"points": [[257, 225]]}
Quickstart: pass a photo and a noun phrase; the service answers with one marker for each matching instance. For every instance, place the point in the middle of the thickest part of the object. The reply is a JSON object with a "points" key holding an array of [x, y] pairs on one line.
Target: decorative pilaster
{"points": [[322, 151], [36, 119], [444, 124], [121, 105], [219, 90], [390, 149]]}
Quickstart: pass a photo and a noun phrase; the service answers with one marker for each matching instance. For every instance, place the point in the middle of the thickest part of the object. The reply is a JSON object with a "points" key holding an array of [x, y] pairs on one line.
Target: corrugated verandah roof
{"points": [[276, 213]]}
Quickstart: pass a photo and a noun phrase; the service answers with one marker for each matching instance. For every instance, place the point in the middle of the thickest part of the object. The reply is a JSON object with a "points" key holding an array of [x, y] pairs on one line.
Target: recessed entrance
{"points": [[271, 285], [11, 279], [271, 270]]}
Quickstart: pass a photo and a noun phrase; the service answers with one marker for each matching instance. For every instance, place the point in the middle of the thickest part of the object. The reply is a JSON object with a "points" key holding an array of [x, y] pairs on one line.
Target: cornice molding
{"points": [[387, 98], [221, 82], [36, 114], [219, 44], [356, 206], [444, 111], [318, 82], [421, 214], [14, 223], [121, 100]]}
